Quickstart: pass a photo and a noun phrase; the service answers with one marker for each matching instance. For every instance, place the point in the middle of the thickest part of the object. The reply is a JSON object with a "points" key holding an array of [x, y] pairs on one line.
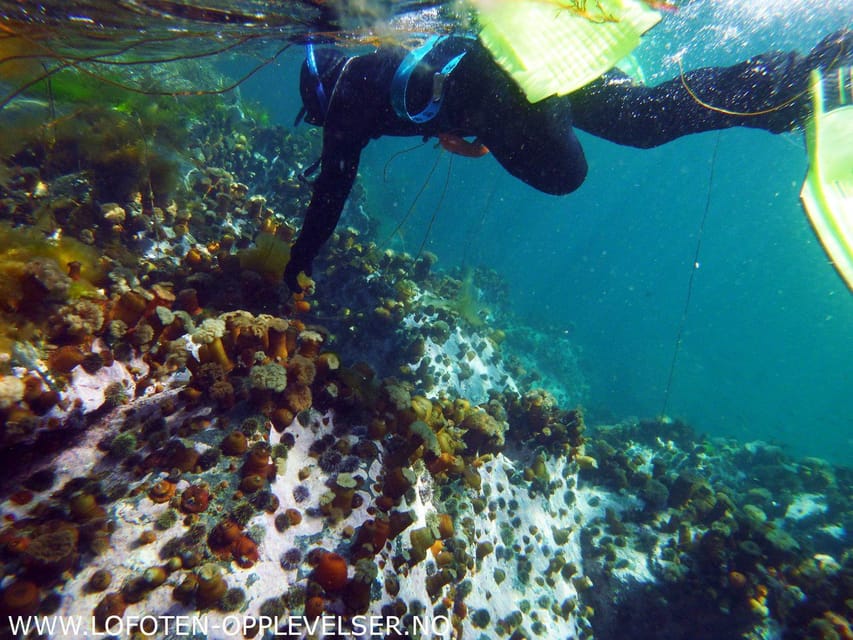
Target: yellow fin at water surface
{"points": [[553, 47], [827, 193]]}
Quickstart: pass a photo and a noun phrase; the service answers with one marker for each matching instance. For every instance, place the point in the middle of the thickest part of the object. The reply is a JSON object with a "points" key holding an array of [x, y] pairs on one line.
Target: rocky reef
{"points": [[181, 437]]}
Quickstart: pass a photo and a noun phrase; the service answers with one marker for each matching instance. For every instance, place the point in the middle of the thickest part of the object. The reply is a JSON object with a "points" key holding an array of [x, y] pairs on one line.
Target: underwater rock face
{"points": [[181, 438]]}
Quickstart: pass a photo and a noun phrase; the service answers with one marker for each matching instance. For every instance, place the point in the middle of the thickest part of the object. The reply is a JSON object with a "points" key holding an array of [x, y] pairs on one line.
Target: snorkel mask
{"points": [[317, 80]]}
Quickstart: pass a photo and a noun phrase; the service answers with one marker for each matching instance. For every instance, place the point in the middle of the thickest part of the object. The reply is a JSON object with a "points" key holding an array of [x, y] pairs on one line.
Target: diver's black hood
{"points": [[317, 81]]}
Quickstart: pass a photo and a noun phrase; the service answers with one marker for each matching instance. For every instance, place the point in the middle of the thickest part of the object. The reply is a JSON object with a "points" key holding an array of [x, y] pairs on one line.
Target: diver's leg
{"points": [[755, 93], [533, 142], [539, 147], [768, 92]]}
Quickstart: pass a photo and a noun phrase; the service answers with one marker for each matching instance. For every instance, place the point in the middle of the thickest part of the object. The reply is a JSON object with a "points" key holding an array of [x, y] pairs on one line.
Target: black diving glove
{"points": [[300, 260]]}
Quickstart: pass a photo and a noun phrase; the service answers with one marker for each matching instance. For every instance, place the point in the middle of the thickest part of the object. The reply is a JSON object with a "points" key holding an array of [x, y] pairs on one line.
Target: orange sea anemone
{"points": [[445, 526], [84, 507], [194, 499], [301, 369], [737, 580], [371, 537], [258, 462], [183, 458], [211, 585], [252, 483], [330, 572], [223, 536], [161, 491], [21, 497], [245, 551], [298, 397], [309, 344], [20, 598], [314, 607], [129, 308], [65, 358], [281, 418], [187, 300], [234, 444], [111, 605], [294, 517]]}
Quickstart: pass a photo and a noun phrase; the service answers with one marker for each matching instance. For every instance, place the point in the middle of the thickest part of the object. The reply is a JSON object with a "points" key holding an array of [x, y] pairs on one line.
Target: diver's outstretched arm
{"points": [[338, 168], [768, 92]]}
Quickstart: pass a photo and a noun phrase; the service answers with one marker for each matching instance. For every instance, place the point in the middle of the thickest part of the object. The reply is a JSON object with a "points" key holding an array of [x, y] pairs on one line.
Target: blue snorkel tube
{"points": [[318, 90], [311, 60]]}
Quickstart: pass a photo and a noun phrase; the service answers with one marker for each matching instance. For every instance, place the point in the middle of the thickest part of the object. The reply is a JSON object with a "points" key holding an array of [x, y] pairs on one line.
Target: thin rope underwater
{"points": [[693, 269]]}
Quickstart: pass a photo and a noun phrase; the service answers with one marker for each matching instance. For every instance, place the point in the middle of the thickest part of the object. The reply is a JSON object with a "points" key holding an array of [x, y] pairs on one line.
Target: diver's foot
{"points": [[837, 87], [833, 52]]}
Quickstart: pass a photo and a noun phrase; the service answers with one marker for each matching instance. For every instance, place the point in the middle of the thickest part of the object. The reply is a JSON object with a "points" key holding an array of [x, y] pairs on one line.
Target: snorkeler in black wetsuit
{"points": [[359, 98]]}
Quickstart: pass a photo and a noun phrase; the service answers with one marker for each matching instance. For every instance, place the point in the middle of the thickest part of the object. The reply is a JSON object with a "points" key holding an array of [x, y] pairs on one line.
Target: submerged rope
{"points": [[437, 207], [694, 267]]}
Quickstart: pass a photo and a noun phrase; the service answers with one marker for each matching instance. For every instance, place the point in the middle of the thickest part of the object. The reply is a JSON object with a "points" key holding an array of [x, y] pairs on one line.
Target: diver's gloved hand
{"points": [[300, 260], [835, 50]]}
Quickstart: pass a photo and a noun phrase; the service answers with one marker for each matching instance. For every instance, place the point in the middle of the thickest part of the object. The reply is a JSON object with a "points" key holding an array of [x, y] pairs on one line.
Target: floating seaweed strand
{"points": [[192, 92], [66, 62]]}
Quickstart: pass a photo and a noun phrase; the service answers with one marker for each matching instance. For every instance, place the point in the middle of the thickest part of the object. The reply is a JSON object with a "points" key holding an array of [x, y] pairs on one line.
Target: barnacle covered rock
{"points": [[483, 433]]}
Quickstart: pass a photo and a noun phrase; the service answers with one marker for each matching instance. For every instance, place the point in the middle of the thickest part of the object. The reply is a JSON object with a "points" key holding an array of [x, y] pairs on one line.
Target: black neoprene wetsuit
{"points": [[535, 142]]}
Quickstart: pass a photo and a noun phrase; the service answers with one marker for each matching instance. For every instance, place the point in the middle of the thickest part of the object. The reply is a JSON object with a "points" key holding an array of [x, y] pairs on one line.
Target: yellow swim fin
{"points": [[827, 193], [552, 47]]}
